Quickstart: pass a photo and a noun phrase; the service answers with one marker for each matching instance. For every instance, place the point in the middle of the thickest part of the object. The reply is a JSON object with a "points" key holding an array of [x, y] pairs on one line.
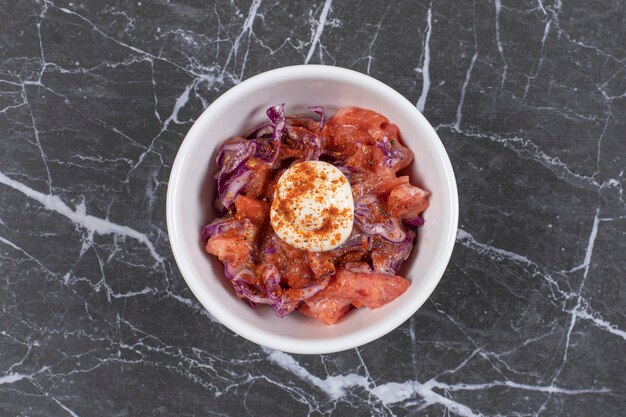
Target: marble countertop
{"points": [[529, 99]]}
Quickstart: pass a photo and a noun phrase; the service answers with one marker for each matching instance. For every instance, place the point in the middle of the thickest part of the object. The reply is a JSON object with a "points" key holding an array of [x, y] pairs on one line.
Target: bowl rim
{"points": [[341, 342]]}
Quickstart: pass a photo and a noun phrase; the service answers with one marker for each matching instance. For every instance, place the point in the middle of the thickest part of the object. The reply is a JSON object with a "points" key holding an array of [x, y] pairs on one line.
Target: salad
{"points": [[315, 217]]}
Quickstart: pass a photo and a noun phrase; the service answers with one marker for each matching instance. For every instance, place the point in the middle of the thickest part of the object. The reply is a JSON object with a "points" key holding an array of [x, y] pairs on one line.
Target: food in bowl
{"points": [[315, 218]]}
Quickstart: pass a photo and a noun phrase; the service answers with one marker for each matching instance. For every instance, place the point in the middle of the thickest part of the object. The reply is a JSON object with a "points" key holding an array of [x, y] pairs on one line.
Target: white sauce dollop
{"points": [[313, 207]]}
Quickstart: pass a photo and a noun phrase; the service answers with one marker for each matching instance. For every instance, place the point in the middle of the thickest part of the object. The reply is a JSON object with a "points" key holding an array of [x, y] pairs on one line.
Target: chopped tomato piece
{"points": [[260, 170], [407, 201], [372, 290], [292, 263], [257, 211], [387, 130], [365, 158], [362, 119], [328, 311], [342, 139], [234, 246], [321, 263], [350, 126], [389, 184], [232, 249], [286, 153]]}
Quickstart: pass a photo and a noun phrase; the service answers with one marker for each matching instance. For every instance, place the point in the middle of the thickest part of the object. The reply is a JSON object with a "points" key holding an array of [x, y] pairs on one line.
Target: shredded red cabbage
{"points": [[285, 302], [358, 267], [263, 142], [396, 155], [232, 173], [389, 228], [397, 253], [229, 271], [414, 222], [229, 147], [245, 289], [219, 226], [264, 150], [235, 184], [276, 115], [309, 141], [319, 110], [261, 131]]}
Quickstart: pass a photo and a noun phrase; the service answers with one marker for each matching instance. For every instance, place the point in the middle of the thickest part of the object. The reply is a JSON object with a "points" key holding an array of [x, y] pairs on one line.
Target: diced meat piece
{"points": [[328, 311], [257, 211], [256, 184], [407, 201]]}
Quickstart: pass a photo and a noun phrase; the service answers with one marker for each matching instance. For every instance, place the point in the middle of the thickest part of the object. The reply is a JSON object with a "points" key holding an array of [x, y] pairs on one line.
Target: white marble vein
{"points": [[11, 378], [600, 322], [246, 30], [206, 76], [505, 65], [425, 68], [315, 40], [181, 101], [79, 217], [582, 309], [526, 149], [112, 315], [370, 49], [25, 253], [531, 78], [465, 237], [337, 386], [468, 75]]}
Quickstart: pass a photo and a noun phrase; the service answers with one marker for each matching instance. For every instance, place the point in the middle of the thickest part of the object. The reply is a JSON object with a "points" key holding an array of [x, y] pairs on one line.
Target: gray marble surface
{"points": [[529, 99]]}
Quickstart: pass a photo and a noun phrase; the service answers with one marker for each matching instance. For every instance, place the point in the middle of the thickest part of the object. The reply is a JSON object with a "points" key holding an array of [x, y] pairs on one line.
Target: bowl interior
{"points": [[191, 190]]}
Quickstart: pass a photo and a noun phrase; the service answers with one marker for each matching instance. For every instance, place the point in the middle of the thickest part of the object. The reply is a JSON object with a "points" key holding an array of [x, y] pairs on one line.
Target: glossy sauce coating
{"points": [[353, 271]]}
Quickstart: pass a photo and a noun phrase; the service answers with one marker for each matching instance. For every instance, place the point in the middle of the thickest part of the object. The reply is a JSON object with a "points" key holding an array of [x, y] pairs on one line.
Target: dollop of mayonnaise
{"points": [[313, 207]]}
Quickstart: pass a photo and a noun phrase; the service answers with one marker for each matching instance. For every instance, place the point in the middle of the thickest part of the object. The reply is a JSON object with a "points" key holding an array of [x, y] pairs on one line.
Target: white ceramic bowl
{"points": [[191, 190]]}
